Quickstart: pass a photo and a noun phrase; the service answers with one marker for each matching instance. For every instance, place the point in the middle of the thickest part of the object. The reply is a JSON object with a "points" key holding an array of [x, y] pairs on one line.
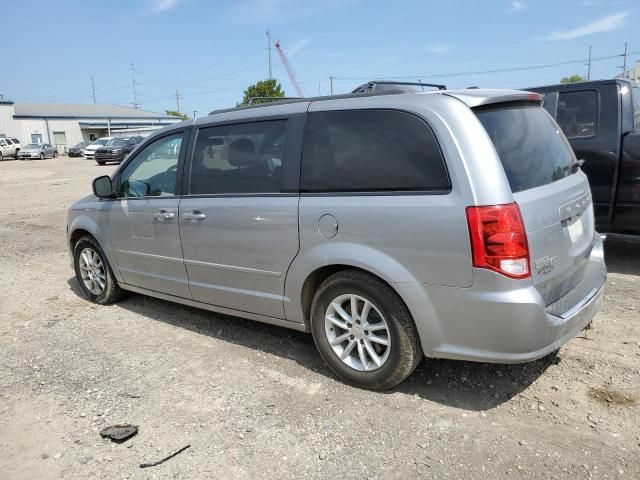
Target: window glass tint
{"points": [[370, 150], [531, 147], [240, 158], [152, 173], [635, 96], [577, 113]]}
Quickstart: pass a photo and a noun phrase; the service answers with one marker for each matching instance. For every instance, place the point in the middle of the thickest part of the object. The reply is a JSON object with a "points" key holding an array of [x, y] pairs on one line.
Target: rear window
{"points": [[532, 148], [577, 113], [370, 151]]}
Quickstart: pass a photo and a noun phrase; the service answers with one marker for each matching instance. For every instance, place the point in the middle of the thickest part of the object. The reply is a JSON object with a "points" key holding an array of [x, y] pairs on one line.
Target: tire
{"points": [[42, 156], [398, 359], [17, 153], [111, 291], [100, 163], [55, 154], [1, 157]]}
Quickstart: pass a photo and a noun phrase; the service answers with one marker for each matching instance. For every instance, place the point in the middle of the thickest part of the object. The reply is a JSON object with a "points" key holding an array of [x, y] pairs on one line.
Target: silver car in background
{"points": [[38, 150], [454, 224]]}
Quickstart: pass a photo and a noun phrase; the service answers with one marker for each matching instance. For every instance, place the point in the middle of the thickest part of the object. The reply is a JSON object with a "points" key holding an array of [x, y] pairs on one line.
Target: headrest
{"points": [[242, 153]]}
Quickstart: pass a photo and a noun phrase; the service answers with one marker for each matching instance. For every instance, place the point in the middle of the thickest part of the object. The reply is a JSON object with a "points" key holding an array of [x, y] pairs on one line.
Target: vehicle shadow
{"points": [[622, 254], [466, 385]]}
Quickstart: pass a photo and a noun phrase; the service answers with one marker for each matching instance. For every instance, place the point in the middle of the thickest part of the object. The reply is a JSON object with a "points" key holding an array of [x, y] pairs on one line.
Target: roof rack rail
{"points": [[388, 85], [252, 100]]}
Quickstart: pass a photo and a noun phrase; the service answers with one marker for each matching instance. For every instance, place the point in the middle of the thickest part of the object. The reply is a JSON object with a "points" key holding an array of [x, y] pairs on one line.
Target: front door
{"points": [[239, 227], [144, 222]]}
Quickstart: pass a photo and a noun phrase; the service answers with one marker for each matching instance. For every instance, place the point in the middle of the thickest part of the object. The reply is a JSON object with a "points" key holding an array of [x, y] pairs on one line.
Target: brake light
{"points": [[498, 239]]}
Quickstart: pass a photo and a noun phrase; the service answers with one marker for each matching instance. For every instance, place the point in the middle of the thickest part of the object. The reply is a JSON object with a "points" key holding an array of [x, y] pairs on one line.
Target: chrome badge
{"points": [[545, 265]]}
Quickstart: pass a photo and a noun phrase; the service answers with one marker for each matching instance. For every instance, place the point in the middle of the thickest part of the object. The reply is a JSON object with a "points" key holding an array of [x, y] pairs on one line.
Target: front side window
{"points": [[577, 113], [370, 151], [239, 158], [152, 173]]}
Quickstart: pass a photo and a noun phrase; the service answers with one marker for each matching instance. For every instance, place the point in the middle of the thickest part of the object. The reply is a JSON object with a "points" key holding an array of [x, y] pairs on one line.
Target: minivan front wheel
{"points": [[364, 331], [94, 273]]}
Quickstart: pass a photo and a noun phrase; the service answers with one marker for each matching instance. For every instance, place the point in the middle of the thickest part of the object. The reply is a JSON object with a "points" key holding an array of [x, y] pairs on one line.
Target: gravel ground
{"points": [[255, 401]]}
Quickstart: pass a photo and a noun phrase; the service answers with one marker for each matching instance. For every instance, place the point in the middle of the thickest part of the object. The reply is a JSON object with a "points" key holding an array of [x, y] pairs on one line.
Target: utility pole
{"points": [[589, 65], [134, 84], [93, 90], [178, 97], [269, 50], [331, 85], [624, 65], [194, 113]]}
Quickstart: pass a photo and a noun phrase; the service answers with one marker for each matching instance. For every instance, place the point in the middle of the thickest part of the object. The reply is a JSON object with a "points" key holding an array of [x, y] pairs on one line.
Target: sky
{"points": [[211, 50]]}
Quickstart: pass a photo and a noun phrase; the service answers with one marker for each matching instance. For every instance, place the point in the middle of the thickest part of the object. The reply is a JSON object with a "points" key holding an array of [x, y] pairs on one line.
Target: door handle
{"points": [[194, 216], [164, 215]]}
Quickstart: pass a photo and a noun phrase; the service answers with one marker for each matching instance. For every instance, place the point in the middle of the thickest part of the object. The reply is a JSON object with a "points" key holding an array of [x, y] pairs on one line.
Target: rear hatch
{"points": [[551, 191]]}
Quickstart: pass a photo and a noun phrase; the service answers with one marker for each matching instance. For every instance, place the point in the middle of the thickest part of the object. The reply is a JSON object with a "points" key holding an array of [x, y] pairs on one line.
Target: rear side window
{"points": [[239, 158], [635, 97], [577, 113], [369, 151], [531, 147]]}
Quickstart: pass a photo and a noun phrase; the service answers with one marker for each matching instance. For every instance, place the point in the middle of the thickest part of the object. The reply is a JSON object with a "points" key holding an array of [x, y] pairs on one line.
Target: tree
{"points": [[175, 113], [263, 88], [573, 79]]}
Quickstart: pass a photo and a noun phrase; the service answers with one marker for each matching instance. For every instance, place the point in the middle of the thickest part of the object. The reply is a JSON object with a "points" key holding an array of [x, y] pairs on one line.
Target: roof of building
{"points": [[80, 110]]}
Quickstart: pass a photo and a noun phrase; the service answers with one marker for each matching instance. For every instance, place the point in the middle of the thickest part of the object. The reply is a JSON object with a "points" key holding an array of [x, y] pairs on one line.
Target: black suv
{"points": [[601, 120], [116, 149]]}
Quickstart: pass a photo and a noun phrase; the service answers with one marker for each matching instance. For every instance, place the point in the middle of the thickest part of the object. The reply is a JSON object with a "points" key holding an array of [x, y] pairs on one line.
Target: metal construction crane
{"points": [[289, 69]]}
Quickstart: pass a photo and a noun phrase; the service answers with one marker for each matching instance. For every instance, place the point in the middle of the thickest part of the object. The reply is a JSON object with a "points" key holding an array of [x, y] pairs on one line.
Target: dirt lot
{"points": [[255, 401]]}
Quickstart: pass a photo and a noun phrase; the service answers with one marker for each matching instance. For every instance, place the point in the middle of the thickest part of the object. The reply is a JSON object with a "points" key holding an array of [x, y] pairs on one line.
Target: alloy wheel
{"points": [[92, 271], [357, 332]]}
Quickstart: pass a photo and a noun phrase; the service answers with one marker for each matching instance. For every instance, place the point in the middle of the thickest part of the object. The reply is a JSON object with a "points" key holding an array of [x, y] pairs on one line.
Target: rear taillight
{"points": [[498, 239]]}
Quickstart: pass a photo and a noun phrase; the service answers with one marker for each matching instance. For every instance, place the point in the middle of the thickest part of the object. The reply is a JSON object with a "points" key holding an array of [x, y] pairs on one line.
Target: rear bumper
{"points": [[505, 321]]}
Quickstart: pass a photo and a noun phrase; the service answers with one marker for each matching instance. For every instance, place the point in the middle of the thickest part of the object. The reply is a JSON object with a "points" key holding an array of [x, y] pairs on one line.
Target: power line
{"points": [[497, 70]]}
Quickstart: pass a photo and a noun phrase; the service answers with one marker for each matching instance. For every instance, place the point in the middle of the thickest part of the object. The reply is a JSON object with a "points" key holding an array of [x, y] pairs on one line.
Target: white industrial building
{"points": [[65, 125]]}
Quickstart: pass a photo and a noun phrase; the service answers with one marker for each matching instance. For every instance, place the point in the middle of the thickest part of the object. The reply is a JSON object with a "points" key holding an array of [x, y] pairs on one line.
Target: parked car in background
{"points": [[76, 150], [38, 150], [601, 119], [116, 149], [455, 223], [90, 149], [9, 147]]}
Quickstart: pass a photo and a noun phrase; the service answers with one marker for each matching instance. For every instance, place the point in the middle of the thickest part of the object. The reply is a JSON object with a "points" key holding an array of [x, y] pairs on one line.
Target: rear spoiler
{"points": [[485, 97]]}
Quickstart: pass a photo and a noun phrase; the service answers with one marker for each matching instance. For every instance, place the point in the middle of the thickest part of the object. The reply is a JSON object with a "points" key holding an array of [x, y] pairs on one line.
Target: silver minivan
{"points": [[452, 224]]}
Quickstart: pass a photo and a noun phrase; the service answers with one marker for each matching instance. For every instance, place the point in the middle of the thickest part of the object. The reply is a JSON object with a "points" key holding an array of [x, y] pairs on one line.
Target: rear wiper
{"points": [[574, 166]]}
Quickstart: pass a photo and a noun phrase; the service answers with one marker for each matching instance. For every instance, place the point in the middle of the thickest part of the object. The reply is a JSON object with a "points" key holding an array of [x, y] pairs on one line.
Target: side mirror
{"points": [[102, 187]]}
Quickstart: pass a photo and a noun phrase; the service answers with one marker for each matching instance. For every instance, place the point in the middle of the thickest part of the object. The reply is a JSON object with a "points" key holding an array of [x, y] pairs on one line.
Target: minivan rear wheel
{"points": [[364, 331], [94, 273]]}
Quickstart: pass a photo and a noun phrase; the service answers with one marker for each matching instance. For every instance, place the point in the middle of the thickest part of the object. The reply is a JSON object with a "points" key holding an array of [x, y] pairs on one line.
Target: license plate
{"points": [[576, 230]]}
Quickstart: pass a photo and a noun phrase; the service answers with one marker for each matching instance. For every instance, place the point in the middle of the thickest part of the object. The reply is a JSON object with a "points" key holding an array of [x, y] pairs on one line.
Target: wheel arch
{"points": [[307, 273], [83, 225]]}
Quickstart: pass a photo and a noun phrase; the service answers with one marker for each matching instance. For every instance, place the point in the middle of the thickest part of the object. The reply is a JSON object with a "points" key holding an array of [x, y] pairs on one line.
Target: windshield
{"points": [[532, 148], [117, 142], [33, 145], [102, 141], [80, 145]]}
